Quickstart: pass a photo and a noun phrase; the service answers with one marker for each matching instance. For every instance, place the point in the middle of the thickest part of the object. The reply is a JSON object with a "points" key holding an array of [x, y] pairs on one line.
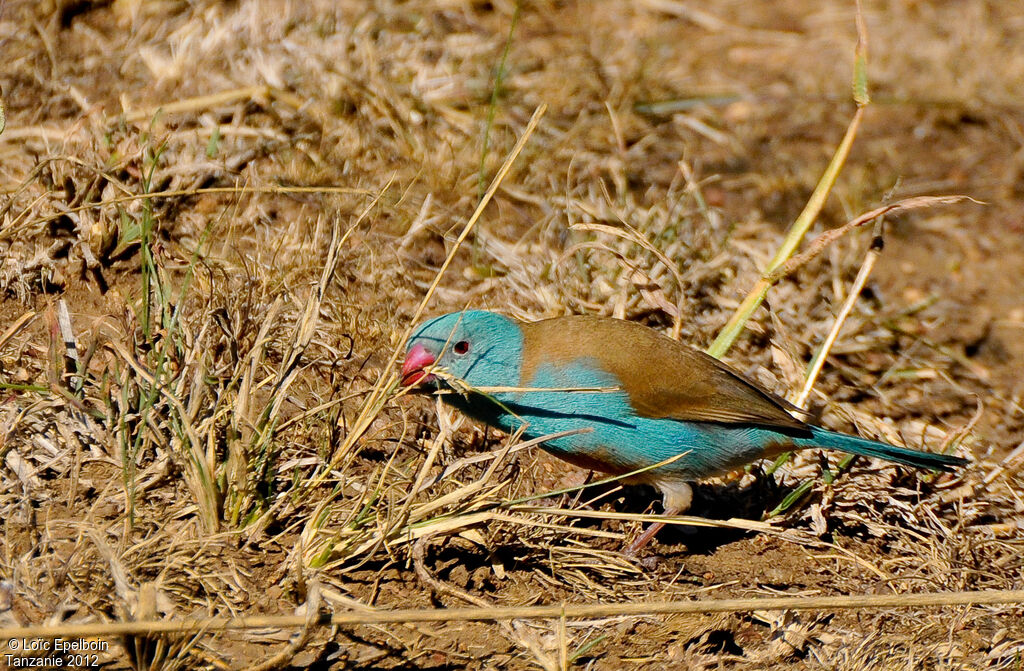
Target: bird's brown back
{"points": [[662, 377]]}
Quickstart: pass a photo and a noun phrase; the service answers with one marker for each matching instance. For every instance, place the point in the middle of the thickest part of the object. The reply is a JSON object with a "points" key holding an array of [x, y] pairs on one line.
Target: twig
{"points": [[682, 520]]}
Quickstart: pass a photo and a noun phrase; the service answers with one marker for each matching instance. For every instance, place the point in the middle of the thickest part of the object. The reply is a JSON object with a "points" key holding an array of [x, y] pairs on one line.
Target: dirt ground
{"points": [[219, 218]]}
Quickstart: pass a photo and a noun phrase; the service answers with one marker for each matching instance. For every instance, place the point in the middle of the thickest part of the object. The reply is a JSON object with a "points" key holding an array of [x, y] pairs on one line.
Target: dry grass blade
{"points": [[16, 326], [828, 237], [197, 464], [386, 382], [683, 520], [858, 285], [1009, 464], [629, 233], [214, 100], [447, 426], [496, 455]]}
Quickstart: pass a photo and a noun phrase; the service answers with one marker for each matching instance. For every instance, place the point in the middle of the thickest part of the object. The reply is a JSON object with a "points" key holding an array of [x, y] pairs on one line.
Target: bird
{"points": [[634, 400]]}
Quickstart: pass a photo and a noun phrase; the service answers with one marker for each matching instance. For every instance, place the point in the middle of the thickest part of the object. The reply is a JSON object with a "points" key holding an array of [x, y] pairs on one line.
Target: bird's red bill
{"points": [[416, 359]]}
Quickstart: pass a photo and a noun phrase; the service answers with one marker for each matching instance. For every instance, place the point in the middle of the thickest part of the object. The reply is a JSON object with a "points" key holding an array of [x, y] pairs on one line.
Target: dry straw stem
{"points": [[176, 193], [505, 389], [495, 183], [387, 380], [385, 384], [216, 100], [200, 469], [447, 428], [461, 387], [181, 106], [858, 285], [874, 250], [1009, 464], [818, 361], [496, 455], [14, 328], [684, 520], [568, 610]]}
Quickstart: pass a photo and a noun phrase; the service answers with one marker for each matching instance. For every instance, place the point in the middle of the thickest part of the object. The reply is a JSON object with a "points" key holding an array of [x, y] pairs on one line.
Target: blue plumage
{"points": [[643, 399]]}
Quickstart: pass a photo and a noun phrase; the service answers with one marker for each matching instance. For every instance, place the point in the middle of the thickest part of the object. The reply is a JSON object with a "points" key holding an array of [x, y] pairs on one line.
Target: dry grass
{"points": [[219, 219]]}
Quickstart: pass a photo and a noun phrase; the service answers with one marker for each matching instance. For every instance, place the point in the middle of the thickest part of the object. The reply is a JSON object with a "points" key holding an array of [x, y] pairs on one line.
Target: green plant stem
{"points": [[735, 325]]}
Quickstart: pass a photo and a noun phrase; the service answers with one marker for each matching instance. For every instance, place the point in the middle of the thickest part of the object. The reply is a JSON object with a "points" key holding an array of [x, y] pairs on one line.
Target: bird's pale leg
{"points": [[678, 496]]}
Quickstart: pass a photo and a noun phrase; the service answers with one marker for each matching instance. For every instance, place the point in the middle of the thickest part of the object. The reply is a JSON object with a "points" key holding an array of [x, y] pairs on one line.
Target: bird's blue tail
{"points": [[871, 448]]}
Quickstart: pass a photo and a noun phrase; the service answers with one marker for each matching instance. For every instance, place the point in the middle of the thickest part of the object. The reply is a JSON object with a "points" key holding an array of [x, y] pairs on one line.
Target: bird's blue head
{"points": [[483, 349]]}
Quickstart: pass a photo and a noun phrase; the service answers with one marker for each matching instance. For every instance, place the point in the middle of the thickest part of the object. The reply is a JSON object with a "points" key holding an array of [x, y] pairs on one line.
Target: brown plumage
{"points": [[664, 378]]}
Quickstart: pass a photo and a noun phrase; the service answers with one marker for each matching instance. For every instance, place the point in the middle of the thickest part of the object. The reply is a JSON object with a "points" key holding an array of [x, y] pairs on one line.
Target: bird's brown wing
{"points": [[663, 378]]}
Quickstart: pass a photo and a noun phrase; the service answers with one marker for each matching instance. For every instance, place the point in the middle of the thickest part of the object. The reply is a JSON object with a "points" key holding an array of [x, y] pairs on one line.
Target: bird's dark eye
{"points": [[461, 347]]}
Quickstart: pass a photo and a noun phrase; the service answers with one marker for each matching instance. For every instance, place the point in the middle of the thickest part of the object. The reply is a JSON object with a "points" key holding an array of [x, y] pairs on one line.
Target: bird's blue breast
{"points": [[614, 439]]}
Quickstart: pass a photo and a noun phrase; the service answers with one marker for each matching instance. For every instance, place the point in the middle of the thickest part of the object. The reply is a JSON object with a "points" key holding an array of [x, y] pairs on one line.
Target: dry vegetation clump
{"points": [[219, 219]]}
